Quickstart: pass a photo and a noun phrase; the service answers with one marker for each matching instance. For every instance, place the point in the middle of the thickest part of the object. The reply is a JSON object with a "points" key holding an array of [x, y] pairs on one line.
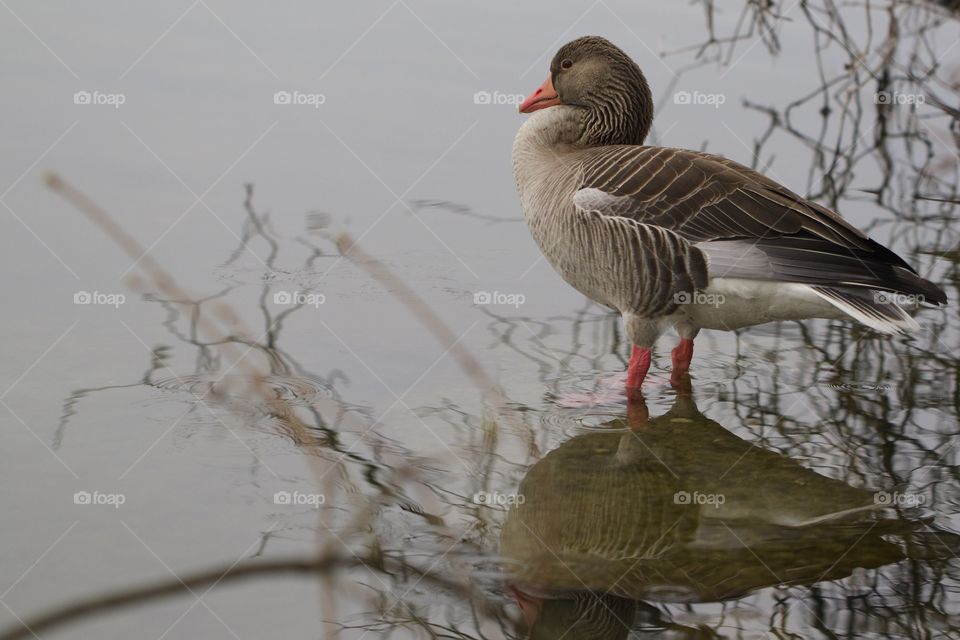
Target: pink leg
{"points": [[529, 605], [682, 355], [637, 370]]}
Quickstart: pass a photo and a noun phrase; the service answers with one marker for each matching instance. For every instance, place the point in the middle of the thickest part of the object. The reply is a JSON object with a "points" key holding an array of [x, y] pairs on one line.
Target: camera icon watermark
{"points": [[697, 498], [495, 498], [699, 297], [96, 297], [698, 98], [299, 98], [497, 98], [894, 97], [898, 499], [499, 298], [299, 298], [115, 100], [899, 299], [115, 500], [298, 499]]}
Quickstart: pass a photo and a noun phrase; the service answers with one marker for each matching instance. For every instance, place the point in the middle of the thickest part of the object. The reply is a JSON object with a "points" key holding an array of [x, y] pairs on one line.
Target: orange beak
{"points": [[545, 96]]}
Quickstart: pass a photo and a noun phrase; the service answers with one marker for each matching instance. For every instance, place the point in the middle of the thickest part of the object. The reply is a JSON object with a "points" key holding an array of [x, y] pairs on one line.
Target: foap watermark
{"points": [[298, 498], [115, 500], [492, 498], [499, 298], [898, 499], [699, 297], [895, 97], [114, 100], [299, 297], [699, 98], [900, 299], [712, 499], [97, 297], [299, 98], [497, 98]]}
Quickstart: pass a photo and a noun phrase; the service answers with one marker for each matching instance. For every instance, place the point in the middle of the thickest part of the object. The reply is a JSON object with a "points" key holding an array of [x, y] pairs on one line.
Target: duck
{"points": [[683, 239]]}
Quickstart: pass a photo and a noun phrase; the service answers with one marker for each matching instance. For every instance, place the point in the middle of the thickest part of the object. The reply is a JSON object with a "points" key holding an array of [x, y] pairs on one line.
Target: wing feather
{"points": [[702, 199]]}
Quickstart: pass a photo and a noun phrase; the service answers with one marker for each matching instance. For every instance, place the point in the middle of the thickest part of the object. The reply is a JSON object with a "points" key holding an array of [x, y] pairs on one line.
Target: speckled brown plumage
{"points": [[642, 229]]}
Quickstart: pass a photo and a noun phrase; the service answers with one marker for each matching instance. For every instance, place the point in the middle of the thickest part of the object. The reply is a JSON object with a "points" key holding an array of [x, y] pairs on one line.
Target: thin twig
{"points": [[188, 584]]}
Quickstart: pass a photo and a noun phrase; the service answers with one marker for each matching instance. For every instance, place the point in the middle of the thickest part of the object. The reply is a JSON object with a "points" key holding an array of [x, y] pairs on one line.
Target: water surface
{"points": [[805, 484]]}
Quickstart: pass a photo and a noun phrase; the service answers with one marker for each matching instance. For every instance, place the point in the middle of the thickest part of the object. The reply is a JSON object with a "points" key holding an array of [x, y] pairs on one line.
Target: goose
{"points": [[677, 238], [612, 517]]}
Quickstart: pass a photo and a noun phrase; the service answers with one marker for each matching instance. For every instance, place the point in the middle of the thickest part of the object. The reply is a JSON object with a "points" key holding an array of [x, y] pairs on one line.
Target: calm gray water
{"points": [[137, 452]]}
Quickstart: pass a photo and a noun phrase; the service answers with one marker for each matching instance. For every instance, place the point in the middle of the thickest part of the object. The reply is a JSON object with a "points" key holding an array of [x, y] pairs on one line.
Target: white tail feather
{"points": [[885, 317]]}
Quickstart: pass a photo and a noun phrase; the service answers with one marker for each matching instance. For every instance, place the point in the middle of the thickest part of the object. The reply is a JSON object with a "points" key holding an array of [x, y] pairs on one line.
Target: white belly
{"points": [[731, 303]]}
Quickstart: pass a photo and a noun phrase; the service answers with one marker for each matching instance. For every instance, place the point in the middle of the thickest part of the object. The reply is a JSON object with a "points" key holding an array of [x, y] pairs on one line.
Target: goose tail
{"points": [[879, 310]]}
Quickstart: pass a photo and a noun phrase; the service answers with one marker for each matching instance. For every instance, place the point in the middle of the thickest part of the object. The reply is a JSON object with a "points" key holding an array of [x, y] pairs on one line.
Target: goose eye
{"points": [[566, 64]]}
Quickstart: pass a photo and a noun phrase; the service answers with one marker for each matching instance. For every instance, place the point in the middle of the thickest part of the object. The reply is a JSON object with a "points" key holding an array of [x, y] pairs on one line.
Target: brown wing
{"points": [[748, 225]]}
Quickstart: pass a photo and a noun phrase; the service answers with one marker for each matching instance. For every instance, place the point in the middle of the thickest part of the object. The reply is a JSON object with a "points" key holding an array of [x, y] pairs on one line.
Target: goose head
{"points": [[601, 89]]}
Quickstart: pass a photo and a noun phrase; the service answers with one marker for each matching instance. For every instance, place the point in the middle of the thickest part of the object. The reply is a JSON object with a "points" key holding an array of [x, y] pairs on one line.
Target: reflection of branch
{"points": [[224, 314], [759, 18], [186, 585], [159, 276], [421, 311], [459, 209], [71, 401], [211, 325]]}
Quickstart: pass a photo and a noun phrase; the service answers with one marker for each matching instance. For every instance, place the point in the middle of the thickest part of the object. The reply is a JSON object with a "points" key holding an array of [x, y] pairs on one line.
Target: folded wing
{"points": [[748, 225]]}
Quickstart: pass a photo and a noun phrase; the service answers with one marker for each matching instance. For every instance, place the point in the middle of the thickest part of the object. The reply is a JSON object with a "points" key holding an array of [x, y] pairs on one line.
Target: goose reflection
{"points": [[678, 509]]}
